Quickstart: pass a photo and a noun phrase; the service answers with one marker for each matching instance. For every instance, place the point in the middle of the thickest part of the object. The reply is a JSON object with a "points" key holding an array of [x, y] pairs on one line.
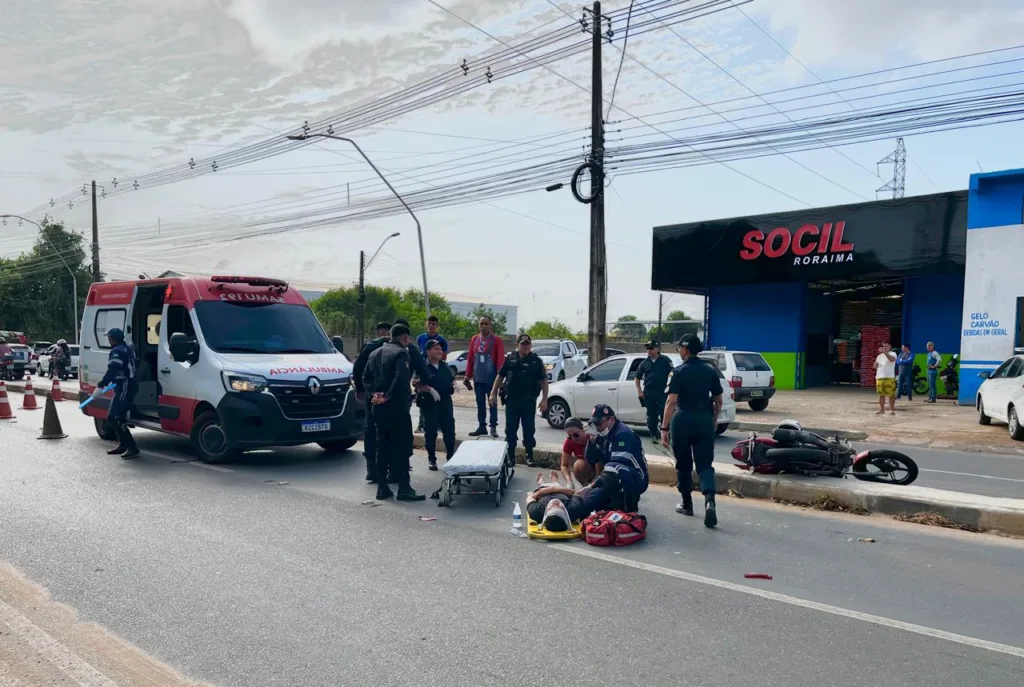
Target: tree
{"points": [[552, 329], [36, 290], [499, 321], [627, 327], [676, 315]]}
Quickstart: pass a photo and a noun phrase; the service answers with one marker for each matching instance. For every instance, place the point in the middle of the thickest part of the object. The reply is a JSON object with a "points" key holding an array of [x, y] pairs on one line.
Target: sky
{"points": [[119, 89]]}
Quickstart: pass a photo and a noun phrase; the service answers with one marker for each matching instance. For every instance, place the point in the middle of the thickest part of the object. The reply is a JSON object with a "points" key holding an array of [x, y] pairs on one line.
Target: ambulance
{"points": [[232, 363]]}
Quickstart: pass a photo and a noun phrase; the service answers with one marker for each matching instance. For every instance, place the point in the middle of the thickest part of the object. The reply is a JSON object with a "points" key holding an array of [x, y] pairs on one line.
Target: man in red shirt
{"points": [[573, 463], [486, 355]]}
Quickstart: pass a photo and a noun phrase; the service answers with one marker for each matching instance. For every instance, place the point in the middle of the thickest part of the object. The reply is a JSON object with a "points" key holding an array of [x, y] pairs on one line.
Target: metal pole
{"points": [[74, 281], [95, 238], [419, 229], [362, 298], [661, 335], [598, 267]]}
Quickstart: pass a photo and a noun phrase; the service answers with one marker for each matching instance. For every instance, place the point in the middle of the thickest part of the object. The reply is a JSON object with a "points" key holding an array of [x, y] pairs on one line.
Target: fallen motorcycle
{"points": [[792, 449]]}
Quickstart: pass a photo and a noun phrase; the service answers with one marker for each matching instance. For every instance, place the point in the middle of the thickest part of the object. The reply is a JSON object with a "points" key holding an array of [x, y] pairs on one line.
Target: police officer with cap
{"points": [[691, 413], [653, 373], [370, 433], [121, 365], [525, 378], [386, 379]]}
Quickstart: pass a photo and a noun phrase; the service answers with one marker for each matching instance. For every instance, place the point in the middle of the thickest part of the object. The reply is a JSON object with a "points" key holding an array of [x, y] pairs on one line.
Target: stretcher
{"points": [[534, 530], [478, 467]]}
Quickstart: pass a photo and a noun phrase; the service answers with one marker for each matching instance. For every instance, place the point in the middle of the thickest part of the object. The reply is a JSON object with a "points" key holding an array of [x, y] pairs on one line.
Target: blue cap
{"points": [[601, 412], [116, 334]]}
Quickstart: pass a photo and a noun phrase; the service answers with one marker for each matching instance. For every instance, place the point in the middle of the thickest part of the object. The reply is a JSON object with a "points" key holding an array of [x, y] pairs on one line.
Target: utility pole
{"points": [[898, 160], [361, 299], [95, 238], [598, 265], [661, 335]]}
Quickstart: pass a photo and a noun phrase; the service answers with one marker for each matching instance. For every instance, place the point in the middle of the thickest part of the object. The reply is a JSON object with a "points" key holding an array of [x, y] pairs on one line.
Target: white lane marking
{"points": [[62, 658], [794, 601], [971, 474]]}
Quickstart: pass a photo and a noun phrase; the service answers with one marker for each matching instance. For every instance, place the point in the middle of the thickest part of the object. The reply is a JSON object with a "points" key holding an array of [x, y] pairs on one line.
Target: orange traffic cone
{"points": [[5, 405], [55, 392], [51, 423], [29, 402]]}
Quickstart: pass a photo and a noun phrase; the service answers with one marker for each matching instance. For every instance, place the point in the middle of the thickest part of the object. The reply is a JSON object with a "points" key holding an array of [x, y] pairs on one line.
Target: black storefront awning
{"points": [[889, 239]]}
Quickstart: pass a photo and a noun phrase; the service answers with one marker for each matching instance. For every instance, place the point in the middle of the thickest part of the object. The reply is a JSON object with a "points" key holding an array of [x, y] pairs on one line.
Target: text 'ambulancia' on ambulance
{"points": [[232, 363]]}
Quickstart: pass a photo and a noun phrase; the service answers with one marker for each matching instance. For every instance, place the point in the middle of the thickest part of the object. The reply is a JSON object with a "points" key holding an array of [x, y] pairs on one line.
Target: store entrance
{"points": [[845, 324]]}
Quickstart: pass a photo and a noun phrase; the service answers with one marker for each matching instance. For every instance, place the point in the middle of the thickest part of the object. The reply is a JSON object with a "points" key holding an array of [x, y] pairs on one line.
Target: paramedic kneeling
{"points": [[615, 449], [694, 403], [607, 492], [121, 373]]}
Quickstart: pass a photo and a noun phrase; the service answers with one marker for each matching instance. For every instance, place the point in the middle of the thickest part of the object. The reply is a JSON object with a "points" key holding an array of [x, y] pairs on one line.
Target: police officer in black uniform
{"points": [[653, 373], [386, 379], [524, 378], [435, 402], [370, 434], [121, 365], [694, 404]]}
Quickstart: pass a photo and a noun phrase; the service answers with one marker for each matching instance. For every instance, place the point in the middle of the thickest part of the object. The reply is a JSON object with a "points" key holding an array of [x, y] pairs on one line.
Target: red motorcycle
{"points": [[792, 449]]}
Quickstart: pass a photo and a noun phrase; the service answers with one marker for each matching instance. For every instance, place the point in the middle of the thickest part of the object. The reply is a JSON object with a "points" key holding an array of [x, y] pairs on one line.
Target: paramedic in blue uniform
{"points": [[370, 433], [386, 379], [525, 378], [691, 418], [432, 334], [435, 403], [616, 450], [121, 365]]}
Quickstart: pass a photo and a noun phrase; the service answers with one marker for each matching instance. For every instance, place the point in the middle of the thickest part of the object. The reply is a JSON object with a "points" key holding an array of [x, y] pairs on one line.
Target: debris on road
{"points": [[866, 540], [935, 520], [282, 483], [371, 504], [427, 518], [757, 576]]}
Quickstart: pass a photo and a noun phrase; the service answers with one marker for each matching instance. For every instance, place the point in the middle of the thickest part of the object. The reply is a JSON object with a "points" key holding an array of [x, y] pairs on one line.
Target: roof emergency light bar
{"points": [[251, 281]]}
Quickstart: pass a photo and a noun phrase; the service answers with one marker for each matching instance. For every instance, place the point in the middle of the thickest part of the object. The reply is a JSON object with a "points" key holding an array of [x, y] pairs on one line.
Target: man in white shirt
{"points": [[885, 378]]}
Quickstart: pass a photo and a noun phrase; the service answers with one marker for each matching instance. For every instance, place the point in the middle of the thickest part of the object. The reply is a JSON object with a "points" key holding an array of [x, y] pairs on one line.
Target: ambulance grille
{"points": [[299, 403]]}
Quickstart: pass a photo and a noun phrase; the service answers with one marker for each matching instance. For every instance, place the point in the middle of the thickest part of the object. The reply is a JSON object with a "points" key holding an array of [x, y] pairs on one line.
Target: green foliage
{"points": [[338, 310], [629, 329], [552, 329], [676, 315], [36, 288]]}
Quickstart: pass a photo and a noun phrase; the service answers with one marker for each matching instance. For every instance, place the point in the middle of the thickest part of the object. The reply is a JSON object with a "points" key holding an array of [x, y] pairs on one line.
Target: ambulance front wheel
{"points": [[210, 439], [339, 446], [103, 429]]}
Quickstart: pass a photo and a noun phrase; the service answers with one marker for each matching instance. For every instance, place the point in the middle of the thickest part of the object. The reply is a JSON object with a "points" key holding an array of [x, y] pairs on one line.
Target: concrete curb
{"points": [[982, 512]]}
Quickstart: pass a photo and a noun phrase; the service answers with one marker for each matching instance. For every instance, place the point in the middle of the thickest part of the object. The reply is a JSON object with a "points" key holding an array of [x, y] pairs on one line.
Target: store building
{"points": [[809, 289]]}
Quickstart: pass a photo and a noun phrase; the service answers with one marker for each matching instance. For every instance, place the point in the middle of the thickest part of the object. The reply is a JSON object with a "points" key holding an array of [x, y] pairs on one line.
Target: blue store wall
{"points": [[932, 308]]}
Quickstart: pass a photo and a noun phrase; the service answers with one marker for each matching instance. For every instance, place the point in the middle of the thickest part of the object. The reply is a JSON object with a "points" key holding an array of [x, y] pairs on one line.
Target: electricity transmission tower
{"points": [[898, 160]]}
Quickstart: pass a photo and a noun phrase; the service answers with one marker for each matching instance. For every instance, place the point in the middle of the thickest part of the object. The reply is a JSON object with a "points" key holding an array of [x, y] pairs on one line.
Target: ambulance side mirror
{"points": [[180, 347], [339, 344]]}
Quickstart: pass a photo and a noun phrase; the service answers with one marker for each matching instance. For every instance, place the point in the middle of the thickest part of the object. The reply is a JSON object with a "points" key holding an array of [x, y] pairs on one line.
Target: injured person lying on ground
{"points": [[556, 507]]}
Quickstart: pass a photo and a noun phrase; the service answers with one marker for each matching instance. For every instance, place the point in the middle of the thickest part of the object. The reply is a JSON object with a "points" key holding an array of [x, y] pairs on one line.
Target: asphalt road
{"points": [[990, 474], [273, 572]]}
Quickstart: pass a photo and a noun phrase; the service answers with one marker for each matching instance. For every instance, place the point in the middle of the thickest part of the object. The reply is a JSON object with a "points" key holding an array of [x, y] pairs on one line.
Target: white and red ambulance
{"points": [[232, 363]]}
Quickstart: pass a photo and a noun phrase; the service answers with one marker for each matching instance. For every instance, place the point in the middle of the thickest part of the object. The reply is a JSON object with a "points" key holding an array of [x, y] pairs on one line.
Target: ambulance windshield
{"points": [[269, 328]]}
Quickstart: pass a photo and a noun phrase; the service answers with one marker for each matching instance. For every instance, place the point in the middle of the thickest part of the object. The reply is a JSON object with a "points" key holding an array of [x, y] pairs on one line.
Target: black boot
{"points": [[530, 462], [432, 463], [126, 440], [383, 492], [371, 470], [478, 432], [494, 432], [117, 450], [710, 515], [686, 506], [407, 493]]}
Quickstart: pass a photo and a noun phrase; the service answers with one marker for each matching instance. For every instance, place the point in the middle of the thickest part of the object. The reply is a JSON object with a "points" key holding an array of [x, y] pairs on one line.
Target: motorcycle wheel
{"points": [[921, 386], [891, 467]]}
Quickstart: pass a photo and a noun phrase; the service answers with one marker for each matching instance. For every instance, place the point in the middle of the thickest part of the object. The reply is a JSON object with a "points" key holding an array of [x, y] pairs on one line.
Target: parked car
{"points": [[38, 348], [608, 352], [612, 381], [44, 367], [561, 358], [1001, 396], [457, 361], [22, 358], [748, 373]]}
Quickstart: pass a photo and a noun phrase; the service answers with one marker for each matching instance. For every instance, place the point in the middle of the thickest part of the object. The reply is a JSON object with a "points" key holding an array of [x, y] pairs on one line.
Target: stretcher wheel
{"points": [[446, 494], [497, 497]]}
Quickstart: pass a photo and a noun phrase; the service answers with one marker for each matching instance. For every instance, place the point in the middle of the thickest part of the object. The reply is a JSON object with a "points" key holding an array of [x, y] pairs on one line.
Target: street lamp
{"points": [[74, 281], [363, 266], [419, 229]]}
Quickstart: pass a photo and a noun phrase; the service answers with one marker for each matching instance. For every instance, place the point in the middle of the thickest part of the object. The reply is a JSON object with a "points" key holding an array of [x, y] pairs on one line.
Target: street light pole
{"points": [[419, 229], [364, 265], [74, 281]]}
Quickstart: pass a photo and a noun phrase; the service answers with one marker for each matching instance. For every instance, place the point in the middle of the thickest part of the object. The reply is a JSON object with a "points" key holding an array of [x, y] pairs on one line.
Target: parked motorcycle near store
{"points": [[792, 449]]}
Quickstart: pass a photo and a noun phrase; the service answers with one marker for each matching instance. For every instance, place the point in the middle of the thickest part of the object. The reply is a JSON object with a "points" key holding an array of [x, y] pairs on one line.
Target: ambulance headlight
{"points": [[241, 382]]}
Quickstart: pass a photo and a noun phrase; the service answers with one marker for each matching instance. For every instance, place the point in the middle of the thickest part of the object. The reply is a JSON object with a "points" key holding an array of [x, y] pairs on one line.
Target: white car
{"points": [[457, 362], [1001, 396], [612, 382], [562, 359], [45, 359], [748, 373]]}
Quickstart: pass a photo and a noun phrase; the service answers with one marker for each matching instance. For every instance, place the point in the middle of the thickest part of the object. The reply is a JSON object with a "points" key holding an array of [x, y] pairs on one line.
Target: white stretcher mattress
{"points": [[481, 456]]}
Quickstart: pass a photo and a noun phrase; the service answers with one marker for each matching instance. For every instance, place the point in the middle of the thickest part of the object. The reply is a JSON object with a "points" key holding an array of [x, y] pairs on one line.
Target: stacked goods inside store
{"points": [[871, 339], [854, 315]]}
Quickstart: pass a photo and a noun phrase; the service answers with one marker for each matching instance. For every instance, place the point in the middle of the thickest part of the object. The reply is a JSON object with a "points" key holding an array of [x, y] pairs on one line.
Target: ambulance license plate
{"points": [[316, 426], [756, 394]]}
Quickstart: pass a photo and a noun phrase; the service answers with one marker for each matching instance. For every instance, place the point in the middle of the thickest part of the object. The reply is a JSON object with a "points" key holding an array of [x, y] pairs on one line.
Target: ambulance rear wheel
{"points": [[210, 439], [103, 429]]}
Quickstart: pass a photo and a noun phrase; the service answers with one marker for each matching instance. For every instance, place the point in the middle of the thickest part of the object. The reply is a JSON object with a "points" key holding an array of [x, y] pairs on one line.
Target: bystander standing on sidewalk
{"points": [[653, 373], [905, 374], [432, 334], [885, 378], [934, 361], [486, 355]]}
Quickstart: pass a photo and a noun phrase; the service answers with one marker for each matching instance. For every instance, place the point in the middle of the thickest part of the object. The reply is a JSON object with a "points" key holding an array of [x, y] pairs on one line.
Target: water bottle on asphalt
{"points": [[517, 517]]}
